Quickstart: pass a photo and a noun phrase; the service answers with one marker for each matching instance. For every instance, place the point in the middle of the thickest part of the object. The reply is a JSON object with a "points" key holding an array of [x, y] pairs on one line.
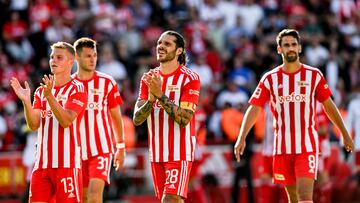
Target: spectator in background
{"points": [[169, 110], [58, 106], [292, 87], [102, 123], [203, 70], [352, 121]]}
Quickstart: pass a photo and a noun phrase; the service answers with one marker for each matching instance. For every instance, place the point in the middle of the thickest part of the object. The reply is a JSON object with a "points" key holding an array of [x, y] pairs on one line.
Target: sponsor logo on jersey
{"points": [[78, 102], [196, 92], [46, 113], [93, 106], [279, 176], [292, 98], [173, 88]]}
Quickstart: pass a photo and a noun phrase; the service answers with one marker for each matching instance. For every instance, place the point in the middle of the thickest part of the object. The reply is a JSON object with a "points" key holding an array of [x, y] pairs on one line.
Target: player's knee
{"points": [[95, 196], [168, 198], [305, 193]]}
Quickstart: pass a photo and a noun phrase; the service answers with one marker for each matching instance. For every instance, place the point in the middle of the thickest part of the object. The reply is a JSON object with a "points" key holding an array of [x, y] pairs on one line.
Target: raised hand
{"points": [[154, 83], [148, 78], [48, 84], [22, 93]]}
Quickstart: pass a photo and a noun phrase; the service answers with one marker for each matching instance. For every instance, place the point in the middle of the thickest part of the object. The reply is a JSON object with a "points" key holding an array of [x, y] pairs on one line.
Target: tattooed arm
{"points": [[181, 114], [142, 111]]}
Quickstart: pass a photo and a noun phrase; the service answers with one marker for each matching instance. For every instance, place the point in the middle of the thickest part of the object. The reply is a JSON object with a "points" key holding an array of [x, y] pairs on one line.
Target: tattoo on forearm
{"points": [[142, 113], [179, 115]]}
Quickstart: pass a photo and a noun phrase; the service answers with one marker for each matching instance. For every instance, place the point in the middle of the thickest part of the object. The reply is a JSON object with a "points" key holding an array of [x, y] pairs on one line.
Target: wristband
{"points": [[120, 145]]}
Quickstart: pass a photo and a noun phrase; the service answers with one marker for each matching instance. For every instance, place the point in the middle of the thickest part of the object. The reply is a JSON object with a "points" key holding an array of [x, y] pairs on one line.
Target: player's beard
{"points": [[169, 57], [291, 58]]}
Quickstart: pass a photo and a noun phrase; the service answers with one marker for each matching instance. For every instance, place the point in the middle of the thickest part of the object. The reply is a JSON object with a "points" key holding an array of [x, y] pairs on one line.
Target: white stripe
{"points": [[287, 121], [55, 143], [151, 150], [166, 123], [75, 173], [297, 115], [183, 182], [99, 120], [109, 168], [83, 139], [307, 110], [177, 137], [318, 78], [38, 146], [181, 177], [45, 137], [67, 147], [156, 136], [91, 119], [278, 134]]}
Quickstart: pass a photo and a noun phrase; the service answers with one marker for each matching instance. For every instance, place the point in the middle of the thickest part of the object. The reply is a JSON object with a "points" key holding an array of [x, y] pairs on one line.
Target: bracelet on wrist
{"points": [[120, 145]]}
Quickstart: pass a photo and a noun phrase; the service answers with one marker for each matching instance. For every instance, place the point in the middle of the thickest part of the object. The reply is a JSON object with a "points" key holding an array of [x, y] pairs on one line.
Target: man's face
{"points": [[60, 61], [87, 59], [289, 49], [166, 48]]}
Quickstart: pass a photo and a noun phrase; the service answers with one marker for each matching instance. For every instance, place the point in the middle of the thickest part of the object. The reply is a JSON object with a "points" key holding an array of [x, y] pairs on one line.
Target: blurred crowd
{"points": [[230, 44]]}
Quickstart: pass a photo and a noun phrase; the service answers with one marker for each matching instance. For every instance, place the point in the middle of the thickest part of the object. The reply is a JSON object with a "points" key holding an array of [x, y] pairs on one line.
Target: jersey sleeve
{"points": [[77, 102], [260, 96], [37, 98], [322, 91], [191, 90], [114, 97], [143, 90]]}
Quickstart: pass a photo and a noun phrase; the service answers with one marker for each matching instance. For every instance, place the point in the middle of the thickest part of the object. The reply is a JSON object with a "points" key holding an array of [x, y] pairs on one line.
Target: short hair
{"points": [[84, 42], [287, 32], [64, 45], [180, 43]]}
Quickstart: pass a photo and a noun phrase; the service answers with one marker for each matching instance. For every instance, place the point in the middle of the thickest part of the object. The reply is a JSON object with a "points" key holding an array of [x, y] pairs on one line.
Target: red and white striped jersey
{"points": [[59, 147], [167, 141], [293, 103], [96, 126]]}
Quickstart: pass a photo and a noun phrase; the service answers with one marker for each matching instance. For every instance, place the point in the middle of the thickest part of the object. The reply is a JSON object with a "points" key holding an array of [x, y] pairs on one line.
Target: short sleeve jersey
{"points": [[293, 99], [96, 126], [167, 140], [59, 147]]}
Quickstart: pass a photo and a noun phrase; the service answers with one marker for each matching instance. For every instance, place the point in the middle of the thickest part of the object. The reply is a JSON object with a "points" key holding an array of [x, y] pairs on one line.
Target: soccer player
{"points": [[293, 89], [168, 98], [101, 123], [58, 106]]}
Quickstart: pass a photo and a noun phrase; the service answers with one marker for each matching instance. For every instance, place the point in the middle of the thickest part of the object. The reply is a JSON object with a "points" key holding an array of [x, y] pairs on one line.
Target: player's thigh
{"points": [[158, 176], [283, 169], [306, 165], [41, 188], [99, 167], [177, 177], [68, 183]]}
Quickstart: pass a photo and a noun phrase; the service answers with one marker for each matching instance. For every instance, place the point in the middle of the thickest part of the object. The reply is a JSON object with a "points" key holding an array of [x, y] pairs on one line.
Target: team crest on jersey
{"points": [[96, 91], [302, 83], [173, 88], [61, 98]]}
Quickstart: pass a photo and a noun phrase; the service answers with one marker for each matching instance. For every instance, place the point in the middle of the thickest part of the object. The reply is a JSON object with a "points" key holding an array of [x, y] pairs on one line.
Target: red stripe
{"points": [[274, 111], [161, 135], [292, 115], [109, 134], [96, 127], [282, 115], [153, 135], [312, 108], [302, 111], [72, 146], [171, 139]]}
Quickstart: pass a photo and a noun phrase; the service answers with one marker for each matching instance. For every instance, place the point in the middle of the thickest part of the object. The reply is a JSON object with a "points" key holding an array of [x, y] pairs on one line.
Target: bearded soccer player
{"points": [[101, 123], [58, 106], [168, 97], [293, 89]]}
